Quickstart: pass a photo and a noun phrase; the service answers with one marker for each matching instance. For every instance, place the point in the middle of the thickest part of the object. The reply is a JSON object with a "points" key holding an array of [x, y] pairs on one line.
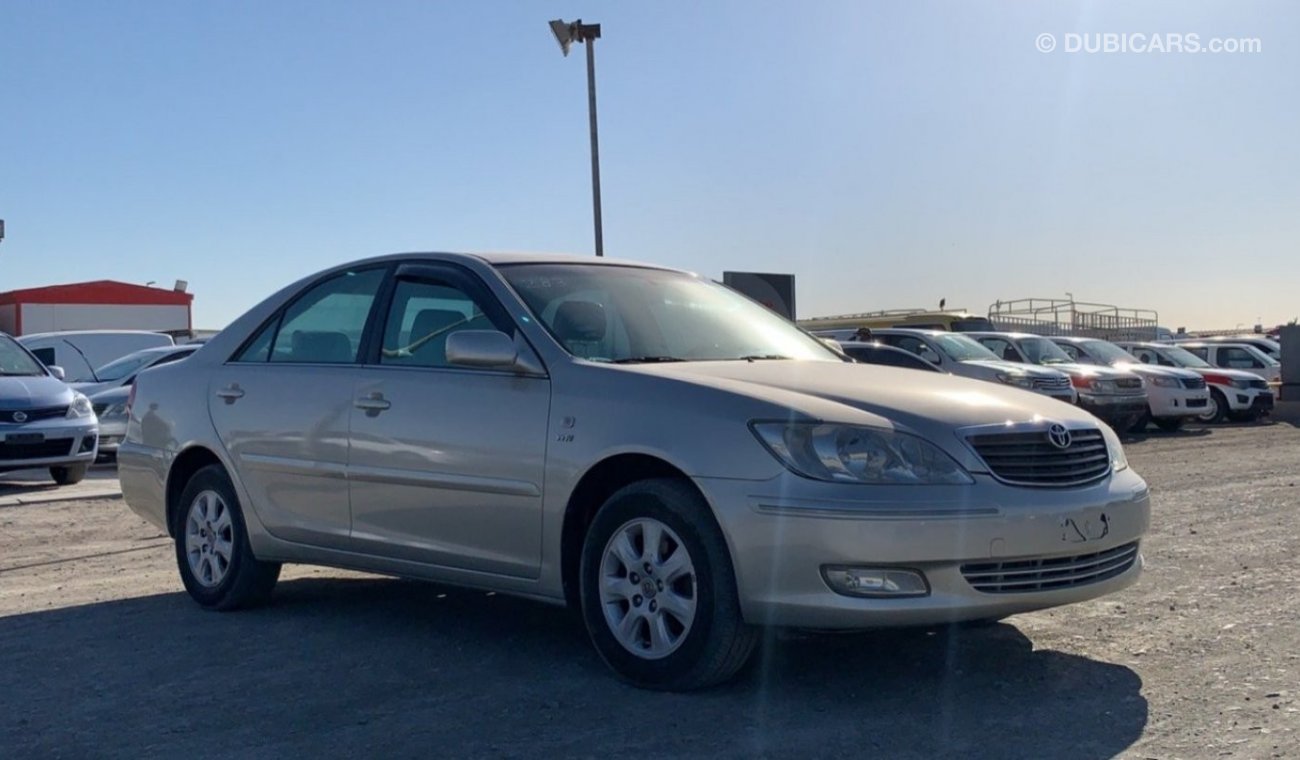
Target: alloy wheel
{"points": [[209, 538], [648, 588]]}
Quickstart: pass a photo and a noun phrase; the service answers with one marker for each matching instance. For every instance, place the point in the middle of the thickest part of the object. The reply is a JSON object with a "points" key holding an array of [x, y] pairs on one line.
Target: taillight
{"points": [[130, 400]]}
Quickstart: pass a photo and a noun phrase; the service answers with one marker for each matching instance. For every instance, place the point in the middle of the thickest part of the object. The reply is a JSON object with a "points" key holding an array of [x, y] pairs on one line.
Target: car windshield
{"points": [[1262, 355], [961, 348], [15, 361], [633, 315], [1043, 351], [1107, 353], [126, 366], [1184, 358]]}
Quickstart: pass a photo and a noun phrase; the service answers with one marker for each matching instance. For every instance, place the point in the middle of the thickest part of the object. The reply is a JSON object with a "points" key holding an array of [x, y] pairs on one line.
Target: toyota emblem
{"points": [[1059, 436], [20, 416]]}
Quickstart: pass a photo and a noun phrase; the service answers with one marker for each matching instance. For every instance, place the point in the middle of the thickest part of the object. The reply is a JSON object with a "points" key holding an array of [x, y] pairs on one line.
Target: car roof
{"points": [[502, 258], [59, 333], [911, 331], [1003, 334]]}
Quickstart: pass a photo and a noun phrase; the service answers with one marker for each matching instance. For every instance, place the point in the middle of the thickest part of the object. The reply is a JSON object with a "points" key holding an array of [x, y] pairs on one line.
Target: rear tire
{"points": [[1140, 425], [1171, 424], [665, 616], [68, 475], [1217, 409], [213, 555]]}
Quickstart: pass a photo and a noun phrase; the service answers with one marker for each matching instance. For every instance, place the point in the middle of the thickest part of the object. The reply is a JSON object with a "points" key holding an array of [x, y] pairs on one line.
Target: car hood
{"points": [[36, 392], [928, 402], [1033, 370], [1151, 370], [1218, 374]]}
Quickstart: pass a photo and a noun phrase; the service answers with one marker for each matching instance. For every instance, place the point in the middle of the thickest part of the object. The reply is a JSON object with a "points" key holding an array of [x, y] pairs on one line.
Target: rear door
{"points": [[446, 462], [282, 404]]}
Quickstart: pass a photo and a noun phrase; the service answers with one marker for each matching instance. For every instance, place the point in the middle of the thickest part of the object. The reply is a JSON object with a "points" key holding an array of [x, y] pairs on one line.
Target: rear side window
{"points": [[323, 325]]}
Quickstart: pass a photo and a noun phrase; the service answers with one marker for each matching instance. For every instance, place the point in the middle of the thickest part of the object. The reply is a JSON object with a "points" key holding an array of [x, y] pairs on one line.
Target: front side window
{"points": [[323, 326], [962, 348], [1174, 356], [631, 314], [1238, 358], [422, 316], [1002, 348], [14, 361]]}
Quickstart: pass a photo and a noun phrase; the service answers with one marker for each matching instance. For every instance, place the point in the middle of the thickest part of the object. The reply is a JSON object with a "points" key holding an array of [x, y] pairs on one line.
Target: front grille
{"points": [[1129, 384], [1051, 383], [32, 415], [1020, 576], [1196, 403], [1260, 384], [1031, 459], [1194, 383], [53, 447]]}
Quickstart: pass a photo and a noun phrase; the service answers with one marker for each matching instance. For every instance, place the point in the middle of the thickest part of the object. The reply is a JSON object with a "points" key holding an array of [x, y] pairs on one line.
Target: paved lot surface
{"points": [[101, 655]]}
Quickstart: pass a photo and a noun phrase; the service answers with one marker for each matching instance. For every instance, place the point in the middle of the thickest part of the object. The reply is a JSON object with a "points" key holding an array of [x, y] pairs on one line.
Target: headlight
{"points": [[1104, 386], [1240, 384], [1118, 461], [1165, 382], [1020, 381], [852, 454], [80, 407]]}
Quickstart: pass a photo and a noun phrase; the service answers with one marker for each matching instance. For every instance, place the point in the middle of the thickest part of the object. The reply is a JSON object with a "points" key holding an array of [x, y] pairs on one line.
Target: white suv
{"points": [[1174, 395], [1234, 393], [1241, 356], [962, 355]]}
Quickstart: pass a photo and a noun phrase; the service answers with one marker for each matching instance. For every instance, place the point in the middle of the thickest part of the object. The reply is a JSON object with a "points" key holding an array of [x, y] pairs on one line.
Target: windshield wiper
{"points": [[762, 357], [82, 354], [646, 360]]}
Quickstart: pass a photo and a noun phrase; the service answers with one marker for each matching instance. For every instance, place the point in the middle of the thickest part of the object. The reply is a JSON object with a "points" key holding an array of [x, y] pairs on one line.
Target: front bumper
{"points": [[1114, 407], [783, 532], [111, 432], [1247, 399], [48, 443], [1177, 402]]}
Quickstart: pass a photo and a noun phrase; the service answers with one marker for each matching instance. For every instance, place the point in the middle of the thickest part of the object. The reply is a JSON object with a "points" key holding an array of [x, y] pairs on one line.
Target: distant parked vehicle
{"points": [[1262, 342], [842, 327], [1241, 356], [122, 372], [1115, 396], [43, 422], [1173, 395], [879, 353], [111, 410], [962, 355], [79, 352], [1234, 393]]}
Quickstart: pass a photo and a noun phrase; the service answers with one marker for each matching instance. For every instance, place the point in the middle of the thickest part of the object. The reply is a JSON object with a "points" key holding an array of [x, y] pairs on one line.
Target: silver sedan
{"points": [[670, 458]]}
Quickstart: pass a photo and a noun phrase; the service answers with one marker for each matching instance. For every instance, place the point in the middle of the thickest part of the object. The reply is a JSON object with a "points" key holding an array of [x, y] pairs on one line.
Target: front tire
{"points": [[68, 475], [215, 560], [658, 591], [1217, 409]]}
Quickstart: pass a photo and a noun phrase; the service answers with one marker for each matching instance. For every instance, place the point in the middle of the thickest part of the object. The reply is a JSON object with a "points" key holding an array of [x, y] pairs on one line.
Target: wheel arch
{"points": [[595, 486], [183, 467]]}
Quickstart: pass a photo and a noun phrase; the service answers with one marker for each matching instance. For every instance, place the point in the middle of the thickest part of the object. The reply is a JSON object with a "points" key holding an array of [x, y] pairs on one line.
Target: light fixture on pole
{"points": [[566, 33]]}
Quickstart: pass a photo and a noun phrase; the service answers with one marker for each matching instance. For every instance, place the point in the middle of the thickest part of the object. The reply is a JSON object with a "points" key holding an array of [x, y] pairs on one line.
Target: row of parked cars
{"points": [[51, 419], [1129, 385]]}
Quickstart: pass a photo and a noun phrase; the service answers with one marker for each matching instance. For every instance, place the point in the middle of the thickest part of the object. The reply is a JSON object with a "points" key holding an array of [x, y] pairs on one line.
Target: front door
{"points": [[282, 407], [447, 462]]}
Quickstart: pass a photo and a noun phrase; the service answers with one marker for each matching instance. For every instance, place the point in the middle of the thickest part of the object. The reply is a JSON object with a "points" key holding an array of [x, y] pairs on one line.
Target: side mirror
{"points": [[488, 349], [57, 371]]}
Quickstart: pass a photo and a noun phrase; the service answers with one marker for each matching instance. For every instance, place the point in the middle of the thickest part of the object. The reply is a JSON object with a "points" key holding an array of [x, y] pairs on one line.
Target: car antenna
{"points": [[93, 376]]}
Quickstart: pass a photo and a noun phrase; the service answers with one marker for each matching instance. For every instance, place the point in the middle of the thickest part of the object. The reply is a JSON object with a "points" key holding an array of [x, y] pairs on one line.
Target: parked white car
{"points": [[961, 355], [1262, 342], [80, 352], [1234, 393], [1173, 395], [1242, 356]]}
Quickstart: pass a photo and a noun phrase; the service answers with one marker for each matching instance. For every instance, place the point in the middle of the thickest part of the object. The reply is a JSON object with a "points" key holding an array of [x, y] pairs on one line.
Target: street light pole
{"points": [[566, 34]]}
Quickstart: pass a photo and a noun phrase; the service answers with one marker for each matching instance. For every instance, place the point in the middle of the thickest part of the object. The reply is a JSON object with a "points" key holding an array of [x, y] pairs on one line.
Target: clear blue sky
{"points": [[889, 154]]}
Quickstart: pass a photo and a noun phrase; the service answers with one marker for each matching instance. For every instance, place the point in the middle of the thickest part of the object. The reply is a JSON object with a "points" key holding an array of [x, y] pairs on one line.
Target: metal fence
{"points": [[1054, 316]]}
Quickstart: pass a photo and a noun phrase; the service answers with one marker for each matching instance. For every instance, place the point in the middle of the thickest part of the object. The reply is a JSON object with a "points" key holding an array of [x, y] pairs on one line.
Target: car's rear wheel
{"points": [[1171, 424], [215, 560], [1216, 409], [70, 474], [658, 592], [1139, 425]]}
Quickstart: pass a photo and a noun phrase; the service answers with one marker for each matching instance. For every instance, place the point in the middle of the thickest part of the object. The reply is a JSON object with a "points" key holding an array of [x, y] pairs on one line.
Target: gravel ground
{"points": [[101, 655]]}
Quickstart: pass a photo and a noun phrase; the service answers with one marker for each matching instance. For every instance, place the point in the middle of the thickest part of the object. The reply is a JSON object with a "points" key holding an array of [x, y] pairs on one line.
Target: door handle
{"points": [[231, 393], [373, 404]]}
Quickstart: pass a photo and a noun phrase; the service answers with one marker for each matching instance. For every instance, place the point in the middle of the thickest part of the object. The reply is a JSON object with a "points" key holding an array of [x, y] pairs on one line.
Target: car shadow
{"points": [[37, 481], [378, 667]]}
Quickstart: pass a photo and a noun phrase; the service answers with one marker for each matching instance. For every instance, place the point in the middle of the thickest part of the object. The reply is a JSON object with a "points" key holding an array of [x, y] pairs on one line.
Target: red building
{"points": [[98, 305]]}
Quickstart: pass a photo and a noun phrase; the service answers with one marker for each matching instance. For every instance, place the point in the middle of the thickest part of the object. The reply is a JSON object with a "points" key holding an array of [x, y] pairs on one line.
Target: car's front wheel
{"points": [[1217, 408], [658, 592], [1170, 424], [68, 474], [215, 560]]}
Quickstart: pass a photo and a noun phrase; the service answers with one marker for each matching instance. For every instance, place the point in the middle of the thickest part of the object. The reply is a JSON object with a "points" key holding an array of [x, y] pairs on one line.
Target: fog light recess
{"points": [[87, 444], [875, 582]]}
